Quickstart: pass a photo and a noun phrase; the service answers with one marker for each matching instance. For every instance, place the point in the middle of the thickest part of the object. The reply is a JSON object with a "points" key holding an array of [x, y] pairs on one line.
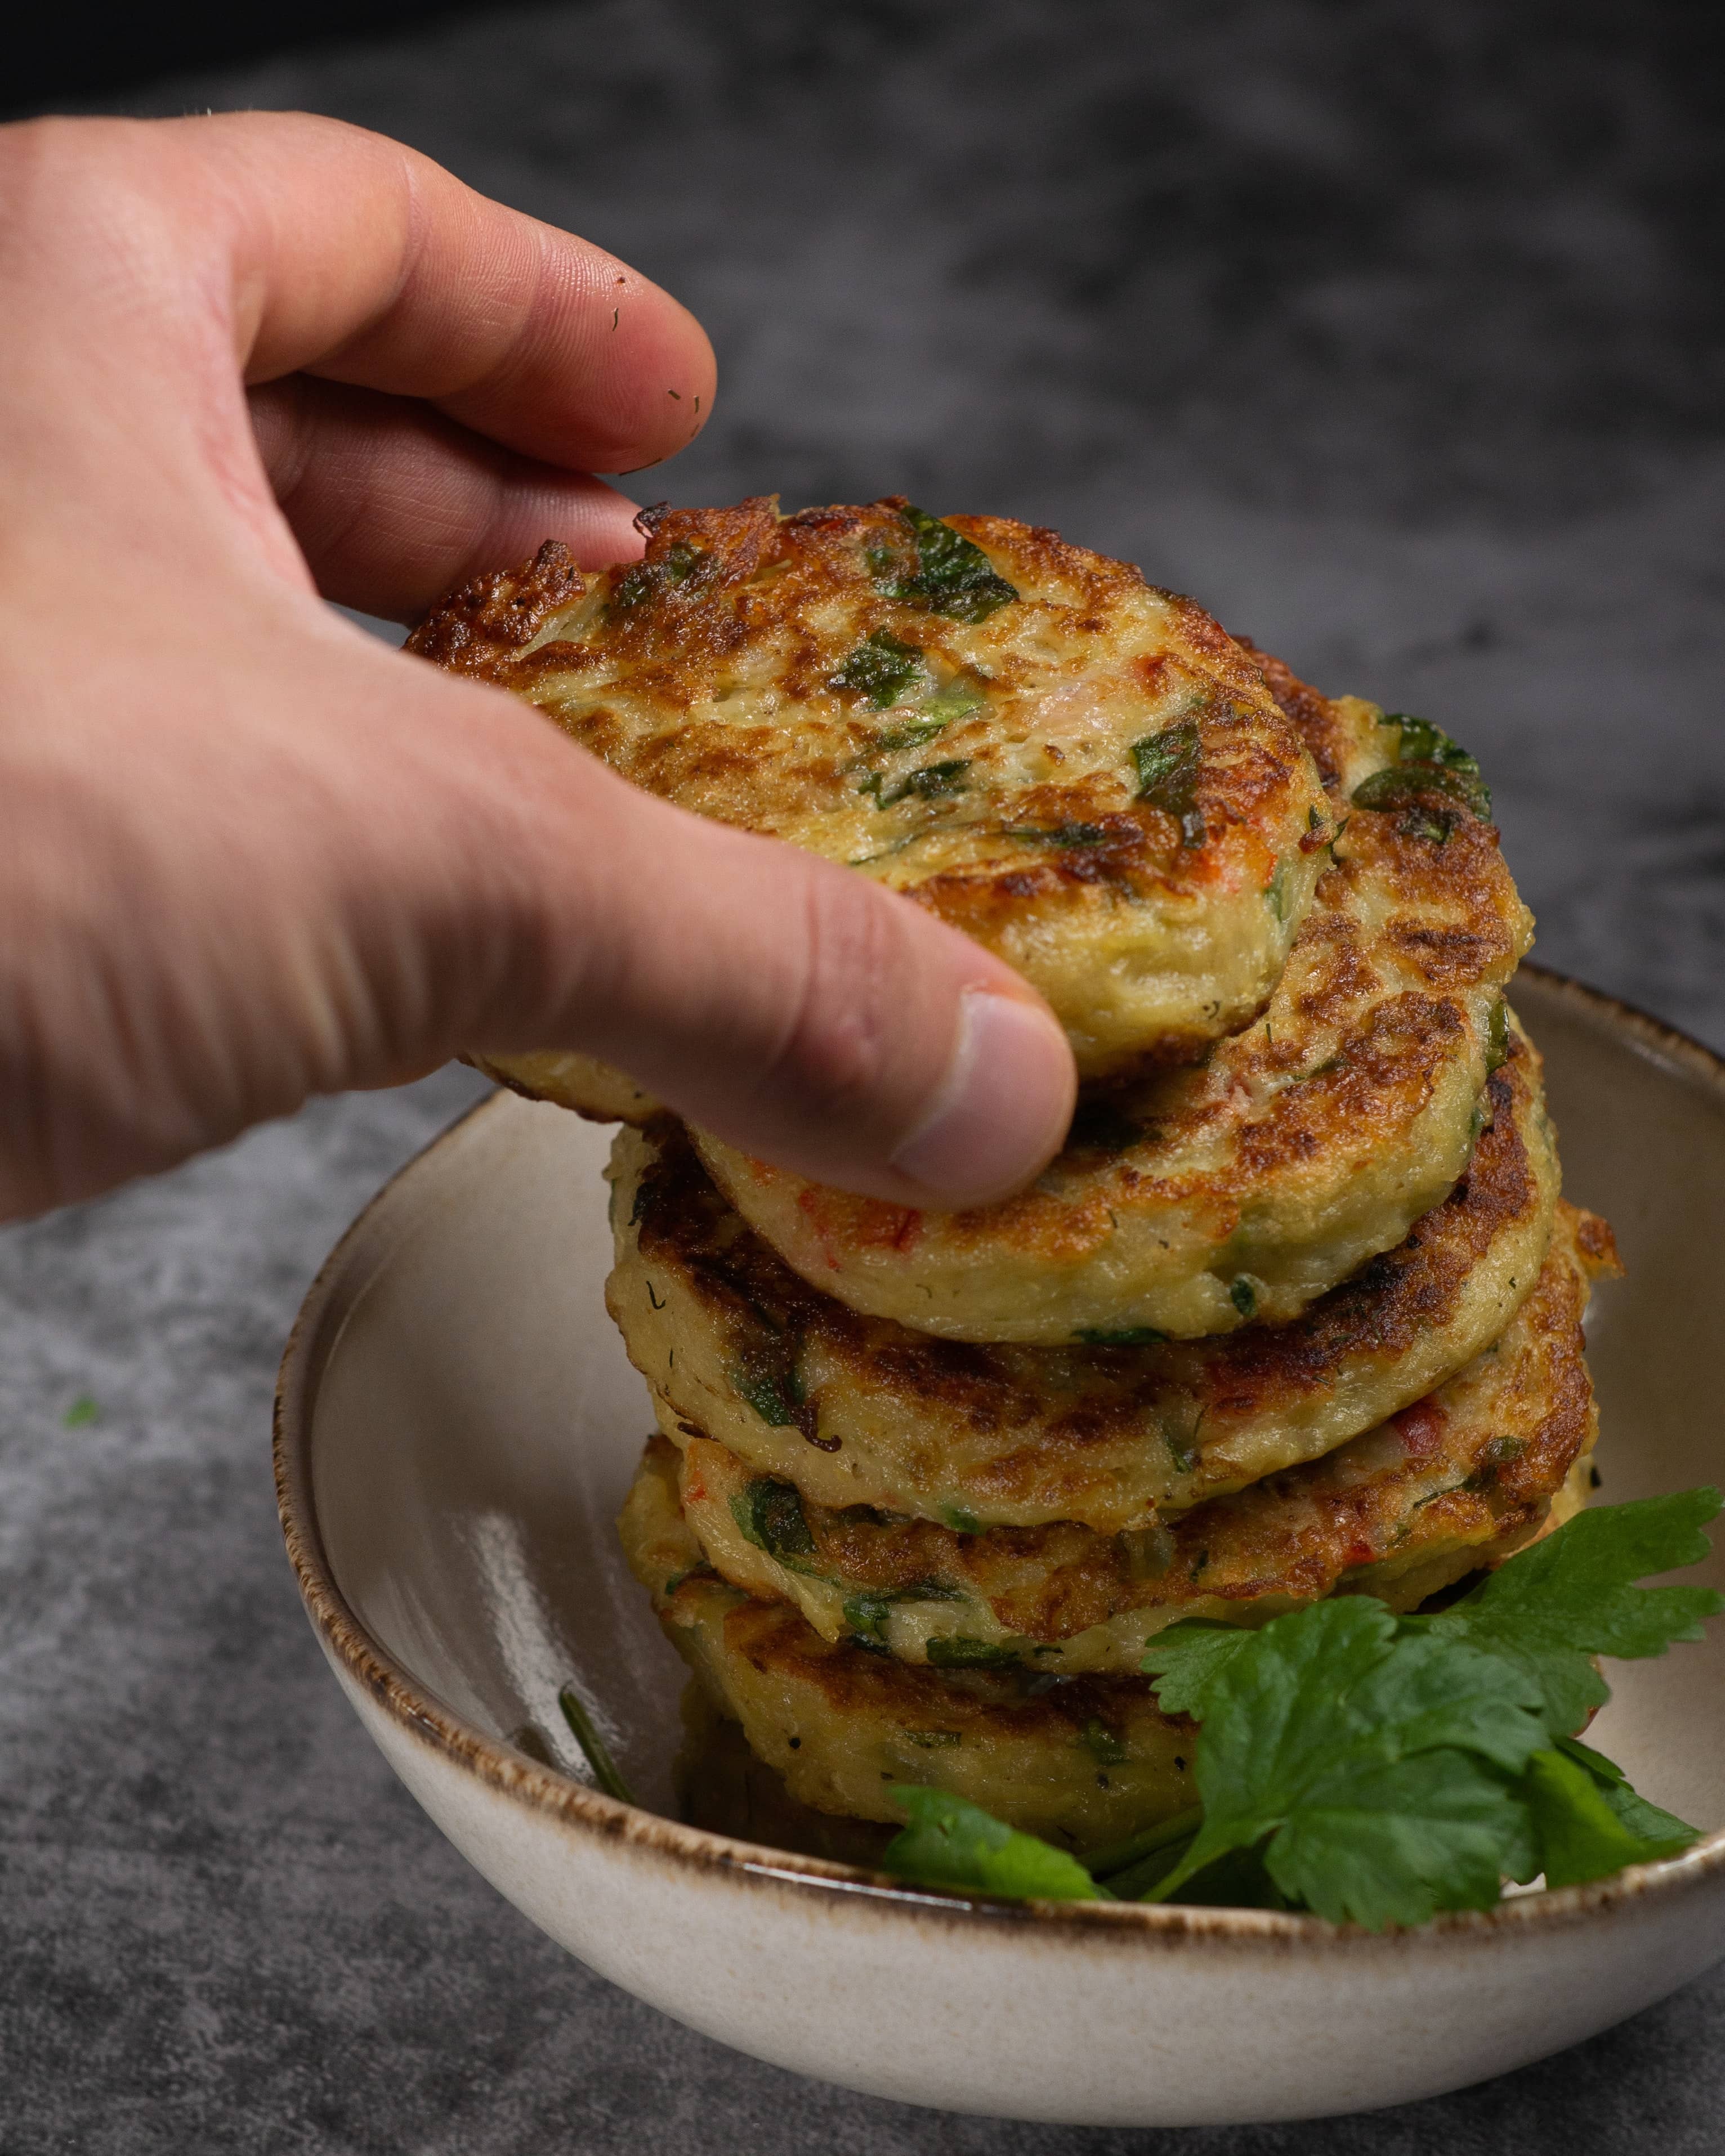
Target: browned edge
{"points": [[721, 1857]]}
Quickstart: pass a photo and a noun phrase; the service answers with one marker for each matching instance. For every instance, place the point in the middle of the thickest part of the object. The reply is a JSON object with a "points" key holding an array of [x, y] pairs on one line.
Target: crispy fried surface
{"points": [[1192, 1201], [791, 676], [856, 1409], [1082, 1762], [1459, 1478]]}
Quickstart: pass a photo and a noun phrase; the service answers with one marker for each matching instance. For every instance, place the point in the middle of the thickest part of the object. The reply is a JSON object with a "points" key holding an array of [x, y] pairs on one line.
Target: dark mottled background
{"points": [[1393, 332]]}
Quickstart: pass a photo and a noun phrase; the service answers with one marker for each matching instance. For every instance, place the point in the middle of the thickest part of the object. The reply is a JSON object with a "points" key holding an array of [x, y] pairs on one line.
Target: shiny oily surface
{"points": [[1083, 773], [1083, 1764], [1191, 1202], [458, 1426], [1459, 1479], [861, 1410]]}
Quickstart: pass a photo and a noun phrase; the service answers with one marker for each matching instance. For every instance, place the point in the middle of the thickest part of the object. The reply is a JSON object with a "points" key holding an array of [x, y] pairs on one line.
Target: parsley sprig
{"points": [[951, 1843], [1427, 762], [881, 669], [1168, 765], [1375, 1769], [946, 573]]}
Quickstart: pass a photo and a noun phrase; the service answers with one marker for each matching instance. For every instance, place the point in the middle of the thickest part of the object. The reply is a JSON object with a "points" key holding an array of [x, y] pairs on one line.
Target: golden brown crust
{"points": [[1321, 722], [1249, 1186], [871, 1411], [1597, 1245], [985, 763], [483, 627], [1473, 1466], [1084, 1763], [772, 1634]]}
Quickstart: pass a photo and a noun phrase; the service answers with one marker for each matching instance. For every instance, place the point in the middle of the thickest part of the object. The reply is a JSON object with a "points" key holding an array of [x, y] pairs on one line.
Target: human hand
{"points": [[248, 855]]}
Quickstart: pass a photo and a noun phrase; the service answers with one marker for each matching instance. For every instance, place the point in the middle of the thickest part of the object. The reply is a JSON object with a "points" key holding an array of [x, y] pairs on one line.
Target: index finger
{"points": [[357, 258]]}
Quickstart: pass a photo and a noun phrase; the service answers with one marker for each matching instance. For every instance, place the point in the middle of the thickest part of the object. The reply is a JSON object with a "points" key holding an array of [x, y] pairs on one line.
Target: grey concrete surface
{"points": [[1394, 334]]}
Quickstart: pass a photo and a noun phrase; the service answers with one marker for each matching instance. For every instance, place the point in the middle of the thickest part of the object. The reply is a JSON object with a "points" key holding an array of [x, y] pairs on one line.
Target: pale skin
{"points": [[248, 854]]}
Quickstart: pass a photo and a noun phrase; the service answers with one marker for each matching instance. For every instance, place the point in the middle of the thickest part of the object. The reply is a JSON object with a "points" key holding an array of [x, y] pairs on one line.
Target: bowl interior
{"points": [[475, 1422], [476, 1427]]}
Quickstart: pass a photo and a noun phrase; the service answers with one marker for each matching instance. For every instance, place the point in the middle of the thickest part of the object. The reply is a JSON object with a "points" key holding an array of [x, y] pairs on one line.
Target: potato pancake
{"points": [[1081, 771], [860, 1411], [1192, 1201], [1082, 1762], [720, 1785], [1459, 1479]]}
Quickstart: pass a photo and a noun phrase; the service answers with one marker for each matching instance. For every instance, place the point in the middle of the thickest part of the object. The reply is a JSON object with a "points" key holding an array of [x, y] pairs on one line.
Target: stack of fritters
{"points": [[1296, 1312]]}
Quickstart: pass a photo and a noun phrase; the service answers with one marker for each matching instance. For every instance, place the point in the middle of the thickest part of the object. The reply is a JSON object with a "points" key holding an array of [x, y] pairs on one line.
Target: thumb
{"points": [[789, 1005], [305, 863]]}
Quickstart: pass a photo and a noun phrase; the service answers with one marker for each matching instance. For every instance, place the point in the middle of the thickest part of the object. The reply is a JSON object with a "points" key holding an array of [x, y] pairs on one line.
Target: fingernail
{"points": [[1001, 1111]]}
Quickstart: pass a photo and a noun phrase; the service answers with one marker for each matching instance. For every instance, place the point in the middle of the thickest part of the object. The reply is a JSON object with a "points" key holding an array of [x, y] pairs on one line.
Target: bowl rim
{"points": [[579, 1808]]}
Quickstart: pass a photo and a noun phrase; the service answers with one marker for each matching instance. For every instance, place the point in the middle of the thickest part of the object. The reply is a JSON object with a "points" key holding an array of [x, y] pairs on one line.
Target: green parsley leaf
{"points": [[1366, 1768], [1056, 835], [1497, 1037], [1393, 1841], [910, 733], [775, 1397], [648, 579], [952, 575], [81, 1413], [954, 1651], [934, 781], [1376, 1770], [962, 698], [867, 1615], [1167, 765], [1436, 826], [881, 666], [1643, 1818], [1580, 1820], [597, 1752], [1556, 1605], [1189, 1659], [952, 1844], [1427, 762], [1419, 742], [1635, 1809], [1437, 1693], [1237, 1881], [769, 1514], [1400, 785], [1146, 1858], [1103, 1746]]}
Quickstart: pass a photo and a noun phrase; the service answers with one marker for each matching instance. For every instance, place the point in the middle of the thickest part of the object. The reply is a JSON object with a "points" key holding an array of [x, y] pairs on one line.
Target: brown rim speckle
{"points": [[720, 1859]]}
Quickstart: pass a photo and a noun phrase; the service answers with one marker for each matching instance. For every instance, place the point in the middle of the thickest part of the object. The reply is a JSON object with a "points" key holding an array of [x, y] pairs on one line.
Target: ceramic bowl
{"points": [[456, 1426]]}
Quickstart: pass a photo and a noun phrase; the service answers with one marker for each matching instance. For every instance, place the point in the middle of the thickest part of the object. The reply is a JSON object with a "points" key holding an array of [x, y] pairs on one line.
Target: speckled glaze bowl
{"points": [[456, 1426]]}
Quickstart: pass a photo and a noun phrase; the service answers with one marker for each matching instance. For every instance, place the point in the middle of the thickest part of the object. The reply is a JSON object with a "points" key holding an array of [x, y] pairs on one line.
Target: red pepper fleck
{"points": [[1421, 1429]]}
